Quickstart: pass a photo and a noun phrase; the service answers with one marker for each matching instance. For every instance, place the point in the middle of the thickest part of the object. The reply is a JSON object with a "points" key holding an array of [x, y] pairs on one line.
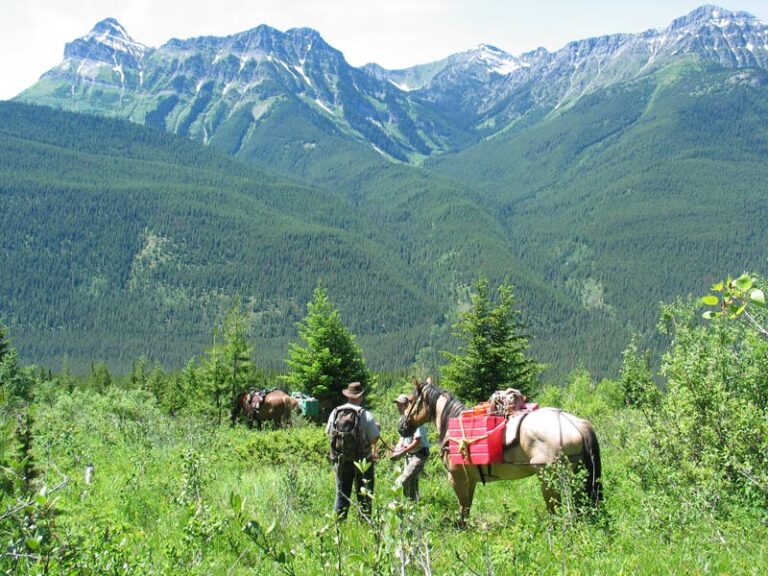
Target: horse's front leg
{"points": [[464, 487]]}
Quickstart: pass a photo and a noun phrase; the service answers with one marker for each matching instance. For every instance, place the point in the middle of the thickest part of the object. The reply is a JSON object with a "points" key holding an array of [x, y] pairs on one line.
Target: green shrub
{"points": [[308, 444], [705, 448]]}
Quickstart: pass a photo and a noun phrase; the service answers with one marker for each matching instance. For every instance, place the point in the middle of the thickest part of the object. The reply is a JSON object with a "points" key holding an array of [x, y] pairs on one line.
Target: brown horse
{"points": [[543, 437], [248, 404], [259, 406], [276, 406]]}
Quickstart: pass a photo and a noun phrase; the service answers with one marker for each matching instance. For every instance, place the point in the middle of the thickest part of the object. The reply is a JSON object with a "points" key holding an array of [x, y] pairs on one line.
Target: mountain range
{"points": [[222, 90], [601, 179]]}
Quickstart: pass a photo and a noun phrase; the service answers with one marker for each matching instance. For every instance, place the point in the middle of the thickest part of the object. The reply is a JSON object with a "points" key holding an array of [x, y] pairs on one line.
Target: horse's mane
{"points": [[453, 407]]}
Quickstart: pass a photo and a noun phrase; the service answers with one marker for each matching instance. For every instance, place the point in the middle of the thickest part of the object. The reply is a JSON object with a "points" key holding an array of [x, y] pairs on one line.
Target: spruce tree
{"points": [[493, 354], [5, 344], [329, 357], [228, 367]]}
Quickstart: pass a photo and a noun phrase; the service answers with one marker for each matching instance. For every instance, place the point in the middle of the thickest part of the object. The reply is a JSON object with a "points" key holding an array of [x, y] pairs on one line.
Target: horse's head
{"points": [[417, 412], [253, 400]]}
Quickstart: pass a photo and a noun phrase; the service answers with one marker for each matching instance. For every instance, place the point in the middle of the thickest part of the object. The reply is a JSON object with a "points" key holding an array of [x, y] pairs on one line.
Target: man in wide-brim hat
{"points": [[346, 471]]}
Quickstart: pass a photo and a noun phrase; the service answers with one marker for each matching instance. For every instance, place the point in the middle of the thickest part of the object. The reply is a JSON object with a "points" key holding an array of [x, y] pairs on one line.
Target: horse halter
{"points": [[405, 427]]}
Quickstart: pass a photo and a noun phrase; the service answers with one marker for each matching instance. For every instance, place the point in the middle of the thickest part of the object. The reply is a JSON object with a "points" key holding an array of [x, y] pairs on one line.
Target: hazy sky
{"points": [[393, 33]]}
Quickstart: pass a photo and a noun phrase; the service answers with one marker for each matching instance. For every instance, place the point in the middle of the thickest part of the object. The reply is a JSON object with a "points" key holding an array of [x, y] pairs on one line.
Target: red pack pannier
{"points": [[476, 438]]}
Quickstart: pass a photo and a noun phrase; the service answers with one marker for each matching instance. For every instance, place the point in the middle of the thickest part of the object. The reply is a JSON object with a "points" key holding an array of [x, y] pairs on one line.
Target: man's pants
{"points": [[347, 474], [409, 479]]}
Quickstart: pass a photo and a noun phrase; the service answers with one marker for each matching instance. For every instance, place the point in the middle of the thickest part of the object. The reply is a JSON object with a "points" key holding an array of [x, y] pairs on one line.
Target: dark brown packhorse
{"points": [[544, 436], [246, 403], [260, 407]]}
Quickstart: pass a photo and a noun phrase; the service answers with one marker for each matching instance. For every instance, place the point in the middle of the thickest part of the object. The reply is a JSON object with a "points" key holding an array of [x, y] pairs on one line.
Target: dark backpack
{"points": [[347, 443]]}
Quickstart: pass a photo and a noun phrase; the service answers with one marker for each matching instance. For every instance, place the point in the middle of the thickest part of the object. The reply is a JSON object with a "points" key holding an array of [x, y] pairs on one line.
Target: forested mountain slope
{"points": [[633, 195], [120, 240]]}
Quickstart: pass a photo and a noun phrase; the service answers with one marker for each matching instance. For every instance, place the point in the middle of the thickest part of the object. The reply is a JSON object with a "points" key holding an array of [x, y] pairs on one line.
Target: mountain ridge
{"points": [[196, 86]]}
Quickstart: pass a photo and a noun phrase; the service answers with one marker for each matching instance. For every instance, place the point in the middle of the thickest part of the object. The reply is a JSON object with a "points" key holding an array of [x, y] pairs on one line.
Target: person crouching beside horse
{"points": [[416, 451], [353, 436]]}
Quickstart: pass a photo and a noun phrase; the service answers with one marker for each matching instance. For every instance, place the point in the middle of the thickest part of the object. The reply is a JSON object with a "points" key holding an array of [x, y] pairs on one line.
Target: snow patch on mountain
{"points": [[497, 60], [401, 86], [322, 105], [300, 70]]}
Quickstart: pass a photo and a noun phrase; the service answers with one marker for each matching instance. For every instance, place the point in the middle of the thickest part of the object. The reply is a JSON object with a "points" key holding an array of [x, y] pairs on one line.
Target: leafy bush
{"points": [[583, 396], [705, 448], [308, 444]]}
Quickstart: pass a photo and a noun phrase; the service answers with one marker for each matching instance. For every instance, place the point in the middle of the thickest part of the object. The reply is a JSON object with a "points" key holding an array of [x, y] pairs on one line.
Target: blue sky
{"points": [[393, 33]]}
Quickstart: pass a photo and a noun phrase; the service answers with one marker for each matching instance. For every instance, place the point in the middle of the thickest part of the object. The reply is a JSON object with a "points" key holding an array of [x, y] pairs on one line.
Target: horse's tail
{"points": [[288, 405], [591, 454]]}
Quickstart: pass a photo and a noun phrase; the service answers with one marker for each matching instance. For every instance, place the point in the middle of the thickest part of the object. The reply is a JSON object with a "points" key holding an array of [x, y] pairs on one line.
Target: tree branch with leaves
{"points": [[736, 298]]}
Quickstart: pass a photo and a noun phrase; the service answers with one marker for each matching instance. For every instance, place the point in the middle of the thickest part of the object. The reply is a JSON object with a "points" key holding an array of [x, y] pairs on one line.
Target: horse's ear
{"points": [[417, 384], [429, 380]]}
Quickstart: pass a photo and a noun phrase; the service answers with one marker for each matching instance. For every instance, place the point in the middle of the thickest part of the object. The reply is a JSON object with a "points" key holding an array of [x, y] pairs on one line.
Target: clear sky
{"points": [[393, 33]]}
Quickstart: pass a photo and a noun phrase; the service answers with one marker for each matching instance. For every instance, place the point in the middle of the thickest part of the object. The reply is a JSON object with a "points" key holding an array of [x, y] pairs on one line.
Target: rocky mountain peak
{"points": [[110, 26], [496, 60], [196, 85], [108, 41], [708, 14]]}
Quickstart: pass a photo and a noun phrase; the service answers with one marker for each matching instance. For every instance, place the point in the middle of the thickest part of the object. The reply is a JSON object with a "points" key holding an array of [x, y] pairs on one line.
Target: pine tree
{"points": [[228, 366], [139, 372], [329, 358], [636, 380], [99, 378], [5, 344], [493, 356], [17, 384], [190, 391]]}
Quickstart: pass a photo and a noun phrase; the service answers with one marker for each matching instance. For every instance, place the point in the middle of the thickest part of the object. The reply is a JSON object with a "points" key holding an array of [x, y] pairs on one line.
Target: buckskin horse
{"points": [[543, 436]]}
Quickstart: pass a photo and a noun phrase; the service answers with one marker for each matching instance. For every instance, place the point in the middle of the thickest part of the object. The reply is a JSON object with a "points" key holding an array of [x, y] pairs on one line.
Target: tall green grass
{"points": [[175, 495]]}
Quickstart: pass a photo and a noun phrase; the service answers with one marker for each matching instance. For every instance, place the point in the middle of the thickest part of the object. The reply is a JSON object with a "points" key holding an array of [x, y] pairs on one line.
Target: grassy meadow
{"points": [[143, 474], [179, 495]]}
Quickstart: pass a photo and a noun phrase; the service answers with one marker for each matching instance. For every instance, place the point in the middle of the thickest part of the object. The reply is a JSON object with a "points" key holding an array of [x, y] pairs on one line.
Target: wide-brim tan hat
{"points": [[353, 390], [402, 399]]}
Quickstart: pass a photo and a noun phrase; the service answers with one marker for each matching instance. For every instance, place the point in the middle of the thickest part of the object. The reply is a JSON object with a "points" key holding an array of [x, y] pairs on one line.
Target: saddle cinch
{"points": [[480, 435]]}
